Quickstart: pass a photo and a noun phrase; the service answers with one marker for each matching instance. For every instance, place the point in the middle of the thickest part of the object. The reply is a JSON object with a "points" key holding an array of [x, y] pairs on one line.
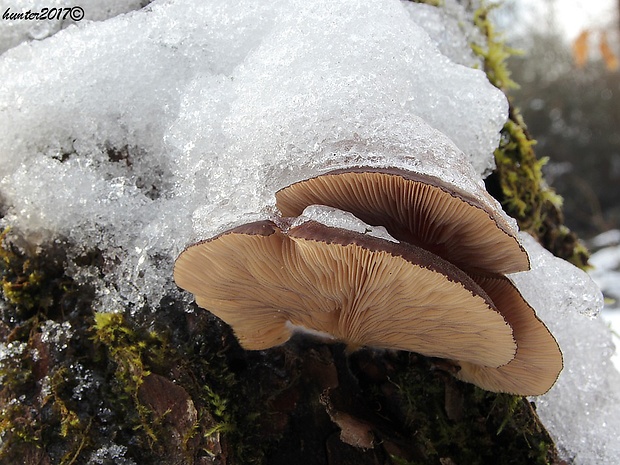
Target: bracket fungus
{"points": [[352, 287], [434, 283], [417, 209], [538, 361]]}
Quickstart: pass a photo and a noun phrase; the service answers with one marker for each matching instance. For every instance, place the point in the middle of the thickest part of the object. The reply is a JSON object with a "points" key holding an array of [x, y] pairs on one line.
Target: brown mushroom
{"points": [[417, 209], [538, 361], [355, 288]]}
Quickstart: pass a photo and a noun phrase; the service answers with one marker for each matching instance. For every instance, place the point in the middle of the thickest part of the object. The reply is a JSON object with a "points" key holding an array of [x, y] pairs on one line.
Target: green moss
{"points": [[495, 53], [17, 428], [21, 281], [522, 189], [223, 418], [72, 429], [437, 3], [33, 287], [133, 352], [50, 423], [478, 428], [522, 181], [128, 348], [527, 198]]}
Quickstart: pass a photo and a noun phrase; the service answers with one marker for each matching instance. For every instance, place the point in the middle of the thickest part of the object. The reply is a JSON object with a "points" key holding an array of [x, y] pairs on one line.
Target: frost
{"points": [[112, 454], [56, 334], [85, 381], [10, 357], [45, 388], [11, 350]]}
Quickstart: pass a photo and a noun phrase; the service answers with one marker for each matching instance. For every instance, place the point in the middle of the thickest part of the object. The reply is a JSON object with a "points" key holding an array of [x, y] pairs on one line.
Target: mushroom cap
{"points": [[418, 209], [356, 288], [538, 361]]}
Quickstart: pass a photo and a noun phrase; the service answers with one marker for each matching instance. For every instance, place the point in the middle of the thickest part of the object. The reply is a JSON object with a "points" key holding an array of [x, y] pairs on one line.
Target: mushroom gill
{"points": [[365, 291], [538, 361], [417, 209]]}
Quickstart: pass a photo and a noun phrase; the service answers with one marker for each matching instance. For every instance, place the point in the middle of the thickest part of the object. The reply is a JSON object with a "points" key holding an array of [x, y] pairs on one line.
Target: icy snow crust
{"points": [[335, 218], [142, 133], [582, 410], [450, 27]]}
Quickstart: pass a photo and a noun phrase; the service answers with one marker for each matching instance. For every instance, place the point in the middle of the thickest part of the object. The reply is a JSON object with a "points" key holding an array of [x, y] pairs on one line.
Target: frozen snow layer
{"points": [[607, 258], [606, 272], [16, 31], [612, 318], [452, 29], [256, 179], [330, 75], [335, 218], [582, 411]]}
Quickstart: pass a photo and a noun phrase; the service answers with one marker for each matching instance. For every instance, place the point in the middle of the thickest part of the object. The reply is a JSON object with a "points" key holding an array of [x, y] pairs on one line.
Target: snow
{"points": [[611, 237], [450, 28], [606, 273], [150, 136], [612, 319], [582, 410], [138, 134], [336, 218]]}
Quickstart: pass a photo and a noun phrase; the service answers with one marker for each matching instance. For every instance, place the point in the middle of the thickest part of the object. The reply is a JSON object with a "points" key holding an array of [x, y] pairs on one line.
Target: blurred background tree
{"points": [[569, 96]]}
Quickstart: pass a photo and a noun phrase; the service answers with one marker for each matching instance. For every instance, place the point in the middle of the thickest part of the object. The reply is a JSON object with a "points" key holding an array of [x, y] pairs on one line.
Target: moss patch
{"points": [[518, 182], [454, 422], [78, 384], [526, 197]]}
